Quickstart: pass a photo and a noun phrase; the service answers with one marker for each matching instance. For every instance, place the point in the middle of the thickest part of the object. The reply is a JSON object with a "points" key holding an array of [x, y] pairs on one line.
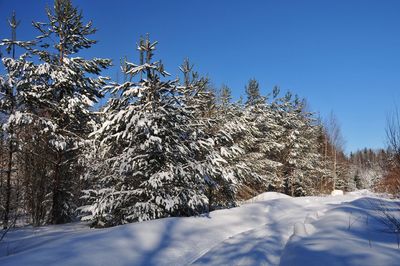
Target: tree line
{"points": [[159, 147]]}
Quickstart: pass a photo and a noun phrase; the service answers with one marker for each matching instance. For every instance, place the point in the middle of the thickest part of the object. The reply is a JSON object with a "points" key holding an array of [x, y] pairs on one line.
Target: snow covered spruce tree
{"points": [[263, 142], [200, 101], [221, 129], [283, 148], [303, 166], [147, 147], [55, 102], [72, 85], [233, 133]]}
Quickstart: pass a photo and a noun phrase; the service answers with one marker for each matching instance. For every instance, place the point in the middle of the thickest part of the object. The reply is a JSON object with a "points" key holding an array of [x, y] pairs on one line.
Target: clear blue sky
{"points": [[342, 56]]}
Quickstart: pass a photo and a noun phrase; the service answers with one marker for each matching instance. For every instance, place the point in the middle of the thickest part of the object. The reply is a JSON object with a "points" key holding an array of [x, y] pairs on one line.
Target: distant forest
{"points": [[160, 146]]}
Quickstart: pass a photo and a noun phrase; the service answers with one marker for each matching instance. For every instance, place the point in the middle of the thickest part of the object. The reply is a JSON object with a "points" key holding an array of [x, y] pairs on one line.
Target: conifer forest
{"points": [[152, 143]]}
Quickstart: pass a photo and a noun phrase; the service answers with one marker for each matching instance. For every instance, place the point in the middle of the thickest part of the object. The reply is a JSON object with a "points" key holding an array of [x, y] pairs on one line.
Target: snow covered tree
{"points": [[253, 93], [226, 170], [225, 95], [68, 87], [230, 135], [148, 147], [367, 167], [223, 128], [201, 101], [52, 101], [300, 155], [262, 144], [11, 84]]}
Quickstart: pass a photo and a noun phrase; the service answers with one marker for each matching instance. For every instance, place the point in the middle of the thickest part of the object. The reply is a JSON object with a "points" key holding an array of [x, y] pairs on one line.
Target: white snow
{"points": [[337, 192], [270, 229], [268, 196]]}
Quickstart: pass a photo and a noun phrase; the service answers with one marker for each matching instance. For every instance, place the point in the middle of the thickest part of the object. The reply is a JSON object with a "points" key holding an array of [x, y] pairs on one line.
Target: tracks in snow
{"points": [[265, 244]]}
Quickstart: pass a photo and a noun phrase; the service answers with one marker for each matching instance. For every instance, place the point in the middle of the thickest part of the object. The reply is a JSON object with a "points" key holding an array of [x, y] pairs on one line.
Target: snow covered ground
{"points": [[271, 229]]}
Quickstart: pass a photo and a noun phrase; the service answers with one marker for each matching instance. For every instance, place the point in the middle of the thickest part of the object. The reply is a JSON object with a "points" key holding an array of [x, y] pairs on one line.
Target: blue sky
{"points": [[342, 56]]}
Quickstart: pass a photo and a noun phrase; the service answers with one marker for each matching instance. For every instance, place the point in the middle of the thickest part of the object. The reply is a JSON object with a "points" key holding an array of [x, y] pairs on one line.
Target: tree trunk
{"points": [[8, 186], [334, 168], [56, 211]]}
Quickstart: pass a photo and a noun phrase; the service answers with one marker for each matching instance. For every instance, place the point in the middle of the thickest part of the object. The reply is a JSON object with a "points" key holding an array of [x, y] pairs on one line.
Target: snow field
{"points": [[270, 229]]}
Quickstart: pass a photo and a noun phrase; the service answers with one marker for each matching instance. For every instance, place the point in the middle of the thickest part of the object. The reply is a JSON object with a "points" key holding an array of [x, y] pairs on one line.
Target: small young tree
{"points": [[253, 93], [225, 95]]}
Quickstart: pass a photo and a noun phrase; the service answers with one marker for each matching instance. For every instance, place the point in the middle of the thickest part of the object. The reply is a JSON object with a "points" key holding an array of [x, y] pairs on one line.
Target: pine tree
{"points": [[303, 165], [253, 93], [225, 95], [262, 144], [72, 83], [148, 147], [230, 135], [201, 100], [55, 97], [224, 130]]}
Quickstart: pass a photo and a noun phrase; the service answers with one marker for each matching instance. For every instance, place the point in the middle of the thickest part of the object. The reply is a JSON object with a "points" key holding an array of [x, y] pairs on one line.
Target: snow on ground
{"points": [[270, 229]]}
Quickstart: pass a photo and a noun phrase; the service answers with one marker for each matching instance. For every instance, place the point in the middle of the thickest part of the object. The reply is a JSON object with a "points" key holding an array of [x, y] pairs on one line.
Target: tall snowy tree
{"points": [[302, 162], [201, 100], [148, 147], [263, 142], [12, 83], [69, 87], [224, 130], [53, 99], [230, 134]]}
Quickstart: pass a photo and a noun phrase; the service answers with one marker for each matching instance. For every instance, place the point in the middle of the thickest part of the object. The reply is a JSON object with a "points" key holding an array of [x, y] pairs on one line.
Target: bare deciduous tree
{"points": [[336, 141], [392, 179]]}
